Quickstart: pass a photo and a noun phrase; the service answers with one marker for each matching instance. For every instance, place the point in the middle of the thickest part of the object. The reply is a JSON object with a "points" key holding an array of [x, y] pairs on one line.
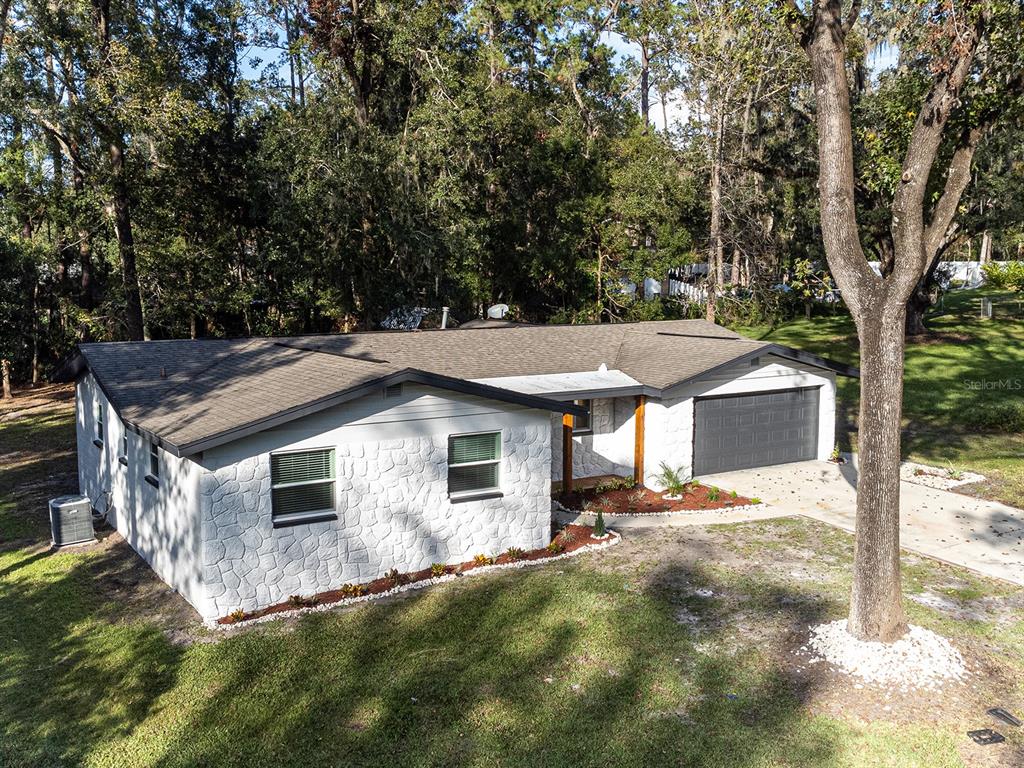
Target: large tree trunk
{"points": [[5, 374], [126, 245], [645, 87], [878, 305], [876, 609]]}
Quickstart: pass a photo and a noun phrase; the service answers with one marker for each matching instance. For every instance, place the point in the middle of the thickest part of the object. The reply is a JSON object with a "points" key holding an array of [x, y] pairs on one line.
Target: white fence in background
{"points": [[967, 273]]}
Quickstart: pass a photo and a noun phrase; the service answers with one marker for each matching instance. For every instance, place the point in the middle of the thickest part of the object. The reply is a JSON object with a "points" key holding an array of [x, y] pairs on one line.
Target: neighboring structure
{"points": [[246, 471]]}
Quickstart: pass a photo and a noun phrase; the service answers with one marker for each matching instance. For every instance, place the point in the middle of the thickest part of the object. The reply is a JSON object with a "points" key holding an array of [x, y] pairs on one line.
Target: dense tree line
{"points": [[205, 167]]}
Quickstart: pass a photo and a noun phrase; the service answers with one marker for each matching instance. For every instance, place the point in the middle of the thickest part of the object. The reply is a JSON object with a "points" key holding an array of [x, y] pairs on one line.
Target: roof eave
{"points": [[412, 375], [779, 350]]}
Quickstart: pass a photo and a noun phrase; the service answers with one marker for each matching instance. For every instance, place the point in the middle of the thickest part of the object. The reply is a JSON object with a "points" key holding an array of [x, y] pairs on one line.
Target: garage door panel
{"points": [[753, 430]]}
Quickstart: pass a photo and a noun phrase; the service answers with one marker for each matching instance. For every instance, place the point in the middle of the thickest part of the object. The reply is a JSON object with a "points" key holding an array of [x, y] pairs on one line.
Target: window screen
{"points": [[474, 462], [302, 482]]}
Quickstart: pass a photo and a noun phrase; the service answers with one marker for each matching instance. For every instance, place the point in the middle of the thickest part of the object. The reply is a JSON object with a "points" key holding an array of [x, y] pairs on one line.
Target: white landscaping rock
{"points": [[919, 659], [935, 477]]}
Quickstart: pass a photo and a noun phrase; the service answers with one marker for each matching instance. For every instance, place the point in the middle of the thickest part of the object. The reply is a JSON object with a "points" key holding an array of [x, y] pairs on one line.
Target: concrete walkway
{"points": [[985, 536]]}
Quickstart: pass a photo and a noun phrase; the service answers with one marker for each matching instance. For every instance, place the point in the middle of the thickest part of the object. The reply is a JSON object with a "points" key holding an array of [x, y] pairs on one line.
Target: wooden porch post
{"points": [[566, 453], [638, 445]]}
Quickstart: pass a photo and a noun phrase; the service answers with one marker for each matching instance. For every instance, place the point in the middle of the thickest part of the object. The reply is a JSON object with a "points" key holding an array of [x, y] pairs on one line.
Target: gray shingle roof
{"points": [[188, 393]]}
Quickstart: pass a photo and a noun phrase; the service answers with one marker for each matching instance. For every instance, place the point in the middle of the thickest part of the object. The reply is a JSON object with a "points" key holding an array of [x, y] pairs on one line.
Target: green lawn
{"points": [[942, 393], [581, 662]]}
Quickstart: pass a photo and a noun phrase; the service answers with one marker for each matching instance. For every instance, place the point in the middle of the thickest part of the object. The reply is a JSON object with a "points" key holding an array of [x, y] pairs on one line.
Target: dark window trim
{"points": [[458, 498], [155, 482], [477, 493], [304, 518], [97, 442], [123, 460], [317, 515]]}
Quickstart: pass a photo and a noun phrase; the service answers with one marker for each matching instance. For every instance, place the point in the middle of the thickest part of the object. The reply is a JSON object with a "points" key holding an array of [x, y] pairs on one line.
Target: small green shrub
{"points": [[953, 473], [599, 529], [298, 601], [755, 500], [566, 537], [1008, 276], [236, 616], [835, 455], [733, 494], [515, 553], [1006, 416], [713, 493], [352, 590], [483, 560], [555, 547], [437, 570], [672, 479]]}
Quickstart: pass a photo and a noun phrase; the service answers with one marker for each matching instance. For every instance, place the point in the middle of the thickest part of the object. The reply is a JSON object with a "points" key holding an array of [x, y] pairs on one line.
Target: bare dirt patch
{"points": [[756, 589]]}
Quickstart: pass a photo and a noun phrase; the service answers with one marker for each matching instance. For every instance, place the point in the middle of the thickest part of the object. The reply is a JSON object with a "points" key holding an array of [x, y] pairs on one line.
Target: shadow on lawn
{"points": [[69, 680], [456, 679], [461, 680]]}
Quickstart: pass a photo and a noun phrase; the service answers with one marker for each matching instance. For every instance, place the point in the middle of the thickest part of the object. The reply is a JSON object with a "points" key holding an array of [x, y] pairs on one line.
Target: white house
{"points": [[246, 471]]}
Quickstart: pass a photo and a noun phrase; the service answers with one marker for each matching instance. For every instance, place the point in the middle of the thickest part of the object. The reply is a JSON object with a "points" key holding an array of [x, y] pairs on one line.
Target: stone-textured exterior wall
{"points": [[607, 449], [393, 512]]}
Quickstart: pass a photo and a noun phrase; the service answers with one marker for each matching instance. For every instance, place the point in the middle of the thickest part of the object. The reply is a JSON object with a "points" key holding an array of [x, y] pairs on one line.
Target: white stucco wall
{"points": [[160, 523], [392, 497], [607, 449], [668, 435]]}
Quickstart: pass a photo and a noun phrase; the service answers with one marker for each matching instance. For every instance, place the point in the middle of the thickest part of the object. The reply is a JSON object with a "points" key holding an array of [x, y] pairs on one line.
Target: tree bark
{"points": [[716, 276], [985, 253], [645, 87], [876, 608], [878, 305], [126, 245], [5, 374]]}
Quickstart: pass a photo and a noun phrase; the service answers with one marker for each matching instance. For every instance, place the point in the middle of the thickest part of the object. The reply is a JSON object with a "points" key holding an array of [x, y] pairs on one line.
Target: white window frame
{"points": [[473, 493], [589, 429], [154, 460], [298, 517]]}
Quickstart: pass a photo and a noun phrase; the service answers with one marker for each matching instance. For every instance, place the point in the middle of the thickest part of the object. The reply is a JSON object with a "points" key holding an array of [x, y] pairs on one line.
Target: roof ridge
{"points": [[371, 360]]}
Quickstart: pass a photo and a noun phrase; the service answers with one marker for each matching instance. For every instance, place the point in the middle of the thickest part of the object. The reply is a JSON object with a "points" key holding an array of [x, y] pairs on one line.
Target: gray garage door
{"points": [[741, 431]]}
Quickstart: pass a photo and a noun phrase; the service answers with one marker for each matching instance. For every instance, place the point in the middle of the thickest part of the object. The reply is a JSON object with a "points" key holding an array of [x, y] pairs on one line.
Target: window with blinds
{"points": [[474, 463], [302, 483]]}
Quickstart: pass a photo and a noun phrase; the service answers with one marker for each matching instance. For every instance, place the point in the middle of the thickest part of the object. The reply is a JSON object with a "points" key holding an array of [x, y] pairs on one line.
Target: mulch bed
{"points": [[640, 500], [568, 539]]}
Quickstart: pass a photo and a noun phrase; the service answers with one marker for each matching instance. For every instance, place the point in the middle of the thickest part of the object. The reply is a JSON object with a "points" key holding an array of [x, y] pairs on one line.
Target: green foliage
{"points": [[483, 560], [352, 590], [437, 570], [1007, 276], [514, 553], [713, 493], [599, 528], [672, 479], [1004, 416]]}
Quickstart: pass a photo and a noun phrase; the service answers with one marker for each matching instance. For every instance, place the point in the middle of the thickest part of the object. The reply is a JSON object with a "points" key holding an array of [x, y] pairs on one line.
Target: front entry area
{"points": [[754, 430]]}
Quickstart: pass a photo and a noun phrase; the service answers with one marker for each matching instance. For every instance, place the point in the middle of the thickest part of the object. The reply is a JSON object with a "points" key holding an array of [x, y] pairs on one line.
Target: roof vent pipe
{"points": [[444, 317]]}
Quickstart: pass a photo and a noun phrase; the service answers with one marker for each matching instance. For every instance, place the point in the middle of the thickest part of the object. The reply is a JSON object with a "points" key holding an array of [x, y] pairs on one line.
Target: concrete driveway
{"points": [[986, 536]]}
